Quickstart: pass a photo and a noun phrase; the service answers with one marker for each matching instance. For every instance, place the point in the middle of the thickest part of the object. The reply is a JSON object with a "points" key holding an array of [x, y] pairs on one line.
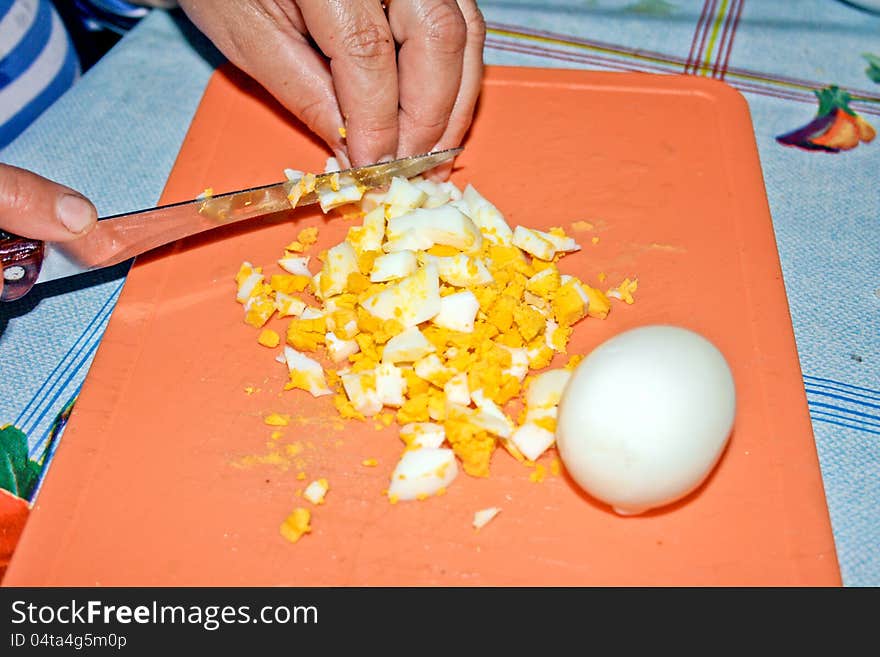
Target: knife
{"points": [[26, 262]]}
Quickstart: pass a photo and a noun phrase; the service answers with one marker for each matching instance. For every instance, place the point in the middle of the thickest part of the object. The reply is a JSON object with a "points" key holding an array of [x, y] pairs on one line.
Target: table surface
{"points": [[116, 135]]}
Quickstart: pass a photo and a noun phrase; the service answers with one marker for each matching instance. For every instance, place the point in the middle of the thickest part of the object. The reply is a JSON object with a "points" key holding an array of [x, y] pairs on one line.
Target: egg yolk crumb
{"points": [[269, 338], [277, 420], [296, 524]]}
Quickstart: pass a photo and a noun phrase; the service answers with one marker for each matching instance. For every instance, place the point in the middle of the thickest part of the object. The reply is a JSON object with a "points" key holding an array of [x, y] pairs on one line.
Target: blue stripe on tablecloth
{"points": [[817, 417], [66, 361], [841, 409], [809, 379], [841, 398], [95, 331]]}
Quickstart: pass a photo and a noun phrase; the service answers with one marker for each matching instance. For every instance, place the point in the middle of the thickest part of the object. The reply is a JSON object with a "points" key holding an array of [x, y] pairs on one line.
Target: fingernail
{"points": [[385, 158], [75, 213]]}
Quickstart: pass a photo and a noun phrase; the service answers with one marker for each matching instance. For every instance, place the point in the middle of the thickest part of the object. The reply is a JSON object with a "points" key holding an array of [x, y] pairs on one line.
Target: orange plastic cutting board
{"points": [[151, 484]]}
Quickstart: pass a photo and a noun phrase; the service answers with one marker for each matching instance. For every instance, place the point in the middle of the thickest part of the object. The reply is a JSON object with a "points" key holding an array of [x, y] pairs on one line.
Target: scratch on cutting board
{"points": [[656, 246]]}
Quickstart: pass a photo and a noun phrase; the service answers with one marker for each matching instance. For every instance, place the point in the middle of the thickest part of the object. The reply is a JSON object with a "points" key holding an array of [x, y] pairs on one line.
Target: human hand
{"points": [[334, 63], [35, 207]]}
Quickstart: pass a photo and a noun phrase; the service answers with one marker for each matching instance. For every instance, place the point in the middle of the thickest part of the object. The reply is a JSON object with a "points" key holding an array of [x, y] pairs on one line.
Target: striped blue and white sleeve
{"points": [[37, 63]]}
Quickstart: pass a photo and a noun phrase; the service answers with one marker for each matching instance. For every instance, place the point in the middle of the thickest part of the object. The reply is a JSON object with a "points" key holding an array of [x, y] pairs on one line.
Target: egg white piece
{"points": [[431, 368], [407, 346], [341, 263], [390, 385], [533, 243], [365, 398], [309, 369], [546, 389], [443, 225], [339, 349], [373, 230], [532, 440], [423, 434], [457, 391], [298, 265], [316, 491], [349, 192], [288, 306], [458, 312], [404, 194], [462, 270], [487, 217], [411, 300], [246, 289], [646, 416], [519, 362], [392, 266], [484, 516], [422, 472]]}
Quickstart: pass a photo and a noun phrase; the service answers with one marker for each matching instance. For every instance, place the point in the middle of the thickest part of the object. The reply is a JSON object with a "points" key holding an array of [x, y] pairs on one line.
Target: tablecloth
{"points": [[116, 134]]}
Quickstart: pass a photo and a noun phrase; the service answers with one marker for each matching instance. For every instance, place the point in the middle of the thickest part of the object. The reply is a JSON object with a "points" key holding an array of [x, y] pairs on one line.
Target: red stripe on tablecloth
{"points": [[582, 58], [706, 31], [732, 35], [809, 85], [696, 36], [579, 58], [725, 31]]}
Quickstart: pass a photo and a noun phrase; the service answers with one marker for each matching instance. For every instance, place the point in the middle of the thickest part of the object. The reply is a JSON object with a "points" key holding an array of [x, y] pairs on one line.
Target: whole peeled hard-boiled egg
{"points": [[645, 417]]}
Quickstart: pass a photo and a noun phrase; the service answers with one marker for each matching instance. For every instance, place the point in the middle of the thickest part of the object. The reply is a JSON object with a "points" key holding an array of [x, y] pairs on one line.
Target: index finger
{"points": [[432, 36], [357, 39]]}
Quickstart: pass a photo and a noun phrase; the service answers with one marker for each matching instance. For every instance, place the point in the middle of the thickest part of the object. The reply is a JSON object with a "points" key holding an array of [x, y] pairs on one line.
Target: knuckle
{"points": [[370, 45], [14, 194], [445, 27], [477, 26], [429, 120], [311, 113]]}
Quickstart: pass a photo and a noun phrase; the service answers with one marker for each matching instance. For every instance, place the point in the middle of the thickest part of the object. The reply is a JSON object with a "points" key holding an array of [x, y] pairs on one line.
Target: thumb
{"points": [[35, 207]]}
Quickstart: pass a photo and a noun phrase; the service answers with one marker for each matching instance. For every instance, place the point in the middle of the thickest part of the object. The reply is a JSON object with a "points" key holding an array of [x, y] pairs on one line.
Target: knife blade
{"points": [[26, 262]]}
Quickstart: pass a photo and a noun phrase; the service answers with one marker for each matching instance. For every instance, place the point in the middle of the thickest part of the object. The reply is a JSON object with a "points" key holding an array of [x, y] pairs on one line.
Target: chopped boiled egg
{"points": [[296, 524], [463, 270], [360, 387], [432, 311], [410, 301], [457, 391], [458, 312], [407, 346], [316, 491], [288, 306], [422, 434], [484, 516], [404, 194], [341, 262], [533, 243], [269, 338], [392, 266], [487, 217], [390, 384], [248, 280], [421, 473], [532, 440], [297, 265], [339, 190], [338, 349], [444, 225], [305, 373]]}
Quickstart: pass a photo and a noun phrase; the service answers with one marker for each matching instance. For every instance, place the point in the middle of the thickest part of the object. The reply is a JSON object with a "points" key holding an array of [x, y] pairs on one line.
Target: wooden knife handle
{"points": [[20, 262]]}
